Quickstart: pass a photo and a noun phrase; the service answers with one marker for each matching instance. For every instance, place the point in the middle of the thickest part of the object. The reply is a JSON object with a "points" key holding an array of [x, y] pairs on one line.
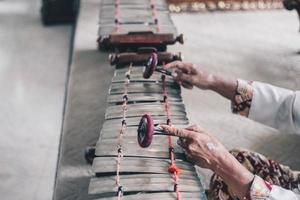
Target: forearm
{"points": [[225, 87], [237, 177]]}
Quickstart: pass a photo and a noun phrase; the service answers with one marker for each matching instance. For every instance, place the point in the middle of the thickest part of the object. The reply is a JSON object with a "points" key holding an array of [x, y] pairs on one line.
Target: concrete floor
{"points": [[33, 66]]}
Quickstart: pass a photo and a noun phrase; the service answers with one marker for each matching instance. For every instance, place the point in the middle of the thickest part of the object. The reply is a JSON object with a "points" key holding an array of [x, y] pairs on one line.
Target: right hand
{"points": [[199, 146], [207, 152], [187, 75]]}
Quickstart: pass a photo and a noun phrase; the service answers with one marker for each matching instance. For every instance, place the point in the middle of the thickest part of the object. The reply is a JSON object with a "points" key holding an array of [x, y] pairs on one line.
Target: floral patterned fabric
{"points": [[268, 169]]}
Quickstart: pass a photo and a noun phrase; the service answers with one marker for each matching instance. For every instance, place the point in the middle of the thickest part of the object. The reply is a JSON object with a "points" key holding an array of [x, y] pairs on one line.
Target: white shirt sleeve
{"points": [[276, 107], [261, 190], [279, 193]]}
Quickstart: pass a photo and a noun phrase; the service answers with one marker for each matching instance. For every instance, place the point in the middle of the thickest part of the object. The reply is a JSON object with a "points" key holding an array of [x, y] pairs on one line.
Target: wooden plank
{"points": [[134, 13], [143, 97], [136, 70], [107, 165], [135, 77], [131, 148], [155, 106], [118, 88], [138, 18], [160, 195], [144, 183], [131, 138], [139, 59], [139, 113], [136, 110], [123, 6], [157, 3], [150, 152], [130, 132], [160, 140], [135, 2], [134, 121], [106, 30]]}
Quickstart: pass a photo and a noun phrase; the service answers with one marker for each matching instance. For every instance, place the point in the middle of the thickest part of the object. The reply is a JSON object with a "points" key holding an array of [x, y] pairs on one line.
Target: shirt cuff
{"points": [[243, 98], [260, 189]]}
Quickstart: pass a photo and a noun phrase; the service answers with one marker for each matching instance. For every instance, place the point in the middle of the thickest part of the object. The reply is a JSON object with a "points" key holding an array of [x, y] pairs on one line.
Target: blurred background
{"points": [[251, 39]]}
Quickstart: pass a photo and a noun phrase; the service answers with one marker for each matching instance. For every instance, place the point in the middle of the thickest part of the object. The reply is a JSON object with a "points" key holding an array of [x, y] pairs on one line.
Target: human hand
{"points": [[207, 152], [187, 75], [200, 147]]}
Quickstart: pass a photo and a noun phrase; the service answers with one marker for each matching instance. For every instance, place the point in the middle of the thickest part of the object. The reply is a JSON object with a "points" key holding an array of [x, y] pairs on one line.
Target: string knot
{"points": [[120, 150], [165, 98], [127, 75], [120, 191], [168, 121], [125, 98], [173, 169]]}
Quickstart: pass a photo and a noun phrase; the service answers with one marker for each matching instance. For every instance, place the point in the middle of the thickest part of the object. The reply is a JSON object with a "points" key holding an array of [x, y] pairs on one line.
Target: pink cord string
{"points": [[154, 15], [173, 169], [122, 132], [117, 16]]}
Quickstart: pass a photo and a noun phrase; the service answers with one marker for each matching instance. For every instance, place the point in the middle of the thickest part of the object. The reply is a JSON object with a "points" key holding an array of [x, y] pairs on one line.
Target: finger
{"points": [[177, 132], [173, 65], [183, 79], [184, 67], [195, 128], [187, 85], [189, 158], [184, 84], [184, 142]]}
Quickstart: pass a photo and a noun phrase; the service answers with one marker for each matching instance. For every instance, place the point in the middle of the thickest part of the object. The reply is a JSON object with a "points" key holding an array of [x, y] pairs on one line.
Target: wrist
{"points": [[225, 87], [236, 176], [223, 163], [212, 82]]}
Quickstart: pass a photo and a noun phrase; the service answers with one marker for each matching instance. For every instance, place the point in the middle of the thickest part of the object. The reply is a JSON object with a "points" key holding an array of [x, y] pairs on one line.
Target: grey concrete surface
{"points": [[33, 66], [90, 77]]}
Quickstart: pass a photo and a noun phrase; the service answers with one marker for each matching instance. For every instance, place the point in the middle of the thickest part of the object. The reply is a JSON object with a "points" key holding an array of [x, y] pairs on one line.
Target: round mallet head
{"points": [[145, 131], [151, 65]]}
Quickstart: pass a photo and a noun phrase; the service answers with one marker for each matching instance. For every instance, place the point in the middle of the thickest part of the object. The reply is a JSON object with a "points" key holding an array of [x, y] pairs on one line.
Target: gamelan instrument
{"points": [[129, 24], [138, 31]]}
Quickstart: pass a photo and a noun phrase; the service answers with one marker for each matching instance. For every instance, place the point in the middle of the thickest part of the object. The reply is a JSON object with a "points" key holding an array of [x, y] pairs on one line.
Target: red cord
{"points": [[173, 169], [117, 15], [154, 15], [122, 132]]}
